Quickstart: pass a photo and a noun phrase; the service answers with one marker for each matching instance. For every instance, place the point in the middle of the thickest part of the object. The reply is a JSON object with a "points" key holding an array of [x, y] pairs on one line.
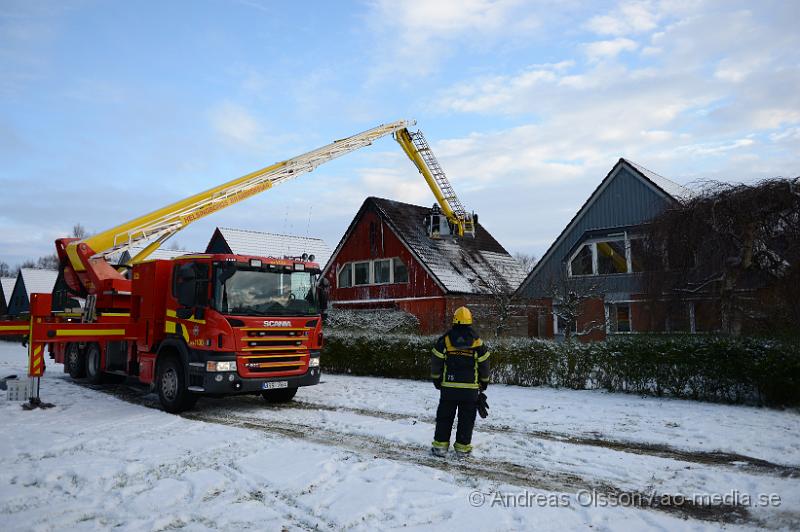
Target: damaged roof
{"points": [[478, 265]]}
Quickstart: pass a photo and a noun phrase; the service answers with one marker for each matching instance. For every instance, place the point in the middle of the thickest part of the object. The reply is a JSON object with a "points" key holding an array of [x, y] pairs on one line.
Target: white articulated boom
{"points": [[157, 226], [418, 150]]}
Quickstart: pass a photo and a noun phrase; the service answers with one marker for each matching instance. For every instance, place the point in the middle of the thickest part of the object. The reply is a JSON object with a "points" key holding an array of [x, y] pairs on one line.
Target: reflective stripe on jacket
{"points": [[460, 359]]}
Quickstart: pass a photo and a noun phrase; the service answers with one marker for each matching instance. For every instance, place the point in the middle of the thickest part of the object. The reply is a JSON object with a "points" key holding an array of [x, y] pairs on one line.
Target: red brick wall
{"points": [[592, 310]]}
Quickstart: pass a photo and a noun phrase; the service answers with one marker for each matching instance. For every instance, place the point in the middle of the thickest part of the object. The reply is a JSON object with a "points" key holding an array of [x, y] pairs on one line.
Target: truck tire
{"points": [[75, 360], [171, 386], [94, 371], [283, 395]]}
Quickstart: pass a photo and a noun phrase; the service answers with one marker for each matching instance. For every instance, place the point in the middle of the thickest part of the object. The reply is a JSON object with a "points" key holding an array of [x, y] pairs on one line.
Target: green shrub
{"points": [[709, 368]]}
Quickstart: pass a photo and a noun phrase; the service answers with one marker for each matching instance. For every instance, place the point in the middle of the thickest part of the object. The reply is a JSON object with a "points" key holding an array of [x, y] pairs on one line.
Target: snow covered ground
{"points": [[351, 453]]}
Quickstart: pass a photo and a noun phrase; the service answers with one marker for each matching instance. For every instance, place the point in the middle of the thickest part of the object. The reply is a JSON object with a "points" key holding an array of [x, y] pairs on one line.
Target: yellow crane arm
{"points": [[157, 226], [420, 153]]}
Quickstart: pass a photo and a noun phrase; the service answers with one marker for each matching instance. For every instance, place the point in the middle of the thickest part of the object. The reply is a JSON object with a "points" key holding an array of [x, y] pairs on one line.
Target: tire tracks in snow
{"points": [[735, 461], [493, 470]]}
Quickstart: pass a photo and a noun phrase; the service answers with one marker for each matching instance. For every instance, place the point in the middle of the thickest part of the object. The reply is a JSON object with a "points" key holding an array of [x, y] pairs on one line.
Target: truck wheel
{"points": [[75, 360], [94, 373], [279, 396], [171, 385]]}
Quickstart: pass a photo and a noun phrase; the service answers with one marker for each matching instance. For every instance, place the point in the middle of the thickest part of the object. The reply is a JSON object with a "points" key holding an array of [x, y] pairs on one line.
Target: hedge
{"points": [[708, 368]]}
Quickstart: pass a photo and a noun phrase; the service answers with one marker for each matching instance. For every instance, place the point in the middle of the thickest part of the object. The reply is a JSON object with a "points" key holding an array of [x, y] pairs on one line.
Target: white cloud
{"points": [[235, 124], [413, 36], [715, 148], [609, 49], [627, 18]]}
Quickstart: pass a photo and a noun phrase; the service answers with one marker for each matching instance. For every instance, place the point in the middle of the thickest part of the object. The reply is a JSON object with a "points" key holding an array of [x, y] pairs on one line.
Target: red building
{"points": [[400, 256]]}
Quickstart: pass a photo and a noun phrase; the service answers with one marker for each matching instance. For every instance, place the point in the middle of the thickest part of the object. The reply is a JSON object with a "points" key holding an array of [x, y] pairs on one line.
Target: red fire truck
{"points": [[195, 325]]}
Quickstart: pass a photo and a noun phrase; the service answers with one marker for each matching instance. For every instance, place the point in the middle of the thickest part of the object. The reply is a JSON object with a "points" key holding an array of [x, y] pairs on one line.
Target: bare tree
{"points": [[79, 231], [526, 261], [503, 302], [5, 269], [571, 298], [736, 245]]}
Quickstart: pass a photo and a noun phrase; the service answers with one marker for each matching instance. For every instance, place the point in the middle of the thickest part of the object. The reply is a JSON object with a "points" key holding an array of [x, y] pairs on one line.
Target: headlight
{"points": [[221, 366], [313, 362]]}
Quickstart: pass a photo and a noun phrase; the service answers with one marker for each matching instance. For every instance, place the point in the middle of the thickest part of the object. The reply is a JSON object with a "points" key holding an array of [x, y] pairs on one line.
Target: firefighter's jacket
{"points": [[460, 362]]}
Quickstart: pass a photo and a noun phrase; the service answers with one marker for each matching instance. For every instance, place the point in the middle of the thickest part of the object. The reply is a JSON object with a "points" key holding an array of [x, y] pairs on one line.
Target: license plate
{"points": [[274, 385]]}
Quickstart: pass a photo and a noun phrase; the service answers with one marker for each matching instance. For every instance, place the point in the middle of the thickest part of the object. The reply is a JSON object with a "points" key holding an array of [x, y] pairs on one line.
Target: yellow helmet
{"points": [[462, 316]]}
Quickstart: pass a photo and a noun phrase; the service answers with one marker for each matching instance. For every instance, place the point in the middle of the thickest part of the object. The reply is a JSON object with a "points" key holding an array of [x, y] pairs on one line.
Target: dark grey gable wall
{"points": [[218, 244], [19, 302], [626, 199]]}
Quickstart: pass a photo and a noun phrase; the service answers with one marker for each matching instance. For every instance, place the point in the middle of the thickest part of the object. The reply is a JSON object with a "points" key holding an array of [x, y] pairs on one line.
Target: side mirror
{"points": [[323, 293], [186, 285]]}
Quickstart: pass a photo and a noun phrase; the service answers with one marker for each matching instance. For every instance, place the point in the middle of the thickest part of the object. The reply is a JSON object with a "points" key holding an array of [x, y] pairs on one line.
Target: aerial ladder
{"points": [[159, 321], [84, 261], [420, 153]]}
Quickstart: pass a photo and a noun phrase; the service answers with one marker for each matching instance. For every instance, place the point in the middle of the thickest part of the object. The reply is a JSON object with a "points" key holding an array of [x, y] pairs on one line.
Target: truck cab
{"points": [[227, 324]]}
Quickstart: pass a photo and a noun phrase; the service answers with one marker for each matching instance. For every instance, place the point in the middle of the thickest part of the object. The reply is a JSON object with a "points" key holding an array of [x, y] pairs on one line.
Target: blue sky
{"points": [[111, 109]]}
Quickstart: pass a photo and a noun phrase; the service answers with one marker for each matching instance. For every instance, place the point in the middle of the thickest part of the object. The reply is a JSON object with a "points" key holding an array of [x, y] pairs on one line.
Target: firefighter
{"points": [[460, 369]]}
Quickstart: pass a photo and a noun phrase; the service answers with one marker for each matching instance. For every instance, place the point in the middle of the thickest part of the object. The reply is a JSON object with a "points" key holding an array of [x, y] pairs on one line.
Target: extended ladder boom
{"points": [[159, 225], [419, 151]]}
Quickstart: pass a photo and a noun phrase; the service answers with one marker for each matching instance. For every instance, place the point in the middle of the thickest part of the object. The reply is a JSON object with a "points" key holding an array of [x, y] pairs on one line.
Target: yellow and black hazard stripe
{"points": [[36, 362]]}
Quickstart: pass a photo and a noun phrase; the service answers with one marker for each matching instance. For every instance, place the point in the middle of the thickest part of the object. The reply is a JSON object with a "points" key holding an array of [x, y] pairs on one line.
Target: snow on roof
{"points": [[8, 286], [247, 242], [670, 187], [465, 265], [123, 256], [38, 281]]}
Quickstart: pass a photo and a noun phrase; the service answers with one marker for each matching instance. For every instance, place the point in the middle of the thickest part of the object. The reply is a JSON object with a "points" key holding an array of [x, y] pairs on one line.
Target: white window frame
{"points": [[393, 259], [339, 272], [592, 244], [369, 272], [373, 263], [608, 306]]}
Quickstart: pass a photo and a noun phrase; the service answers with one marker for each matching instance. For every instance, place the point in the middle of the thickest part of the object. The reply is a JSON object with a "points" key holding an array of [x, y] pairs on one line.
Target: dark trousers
{"points": [[446, 414]]}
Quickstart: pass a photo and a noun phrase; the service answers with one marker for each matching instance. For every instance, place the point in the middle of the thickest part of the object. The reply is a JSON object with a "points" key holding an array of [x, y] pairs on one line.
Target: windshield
{"points": [[253, 292]]}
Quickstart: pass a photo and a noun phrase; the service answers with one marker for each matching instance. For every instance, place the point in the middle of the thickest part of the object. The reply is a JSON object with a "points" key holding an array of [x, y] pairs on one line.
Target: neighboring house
{"points": [[600, 254], [400, 256], [245, 242], [30, 281], [6, 287], [160, 253]]}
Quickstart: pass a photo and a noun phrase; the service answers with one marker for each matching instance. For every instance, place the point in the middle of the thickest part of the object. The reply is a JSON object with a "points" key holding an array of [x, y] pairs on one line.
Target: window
{"points": [[611, 257], [560, 323], [614, 255], [619, 317], [379, 271], [400, 271], [345, 279], [360, 273], [382, 270], [581, 264]]}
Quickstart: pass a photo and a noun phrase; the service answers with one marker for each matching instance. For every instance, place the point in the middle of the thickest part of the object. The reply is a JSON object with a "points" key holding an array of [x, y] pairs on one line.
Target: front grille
{"points": [[276, 332], [271, 343], [274, 363]]}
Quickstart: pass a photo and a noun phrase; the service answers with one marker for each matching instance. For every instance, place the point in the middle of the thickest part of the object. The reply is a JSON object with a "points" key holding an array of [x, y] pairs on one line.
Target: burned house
{"points": [[400, 256]]}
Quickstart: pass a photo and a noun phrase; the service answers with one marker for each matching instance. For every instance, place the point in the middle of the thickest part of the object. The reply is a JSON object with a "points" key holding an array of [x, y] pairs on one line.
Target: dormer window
{"points": [[437, 224], [609, 255]]}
